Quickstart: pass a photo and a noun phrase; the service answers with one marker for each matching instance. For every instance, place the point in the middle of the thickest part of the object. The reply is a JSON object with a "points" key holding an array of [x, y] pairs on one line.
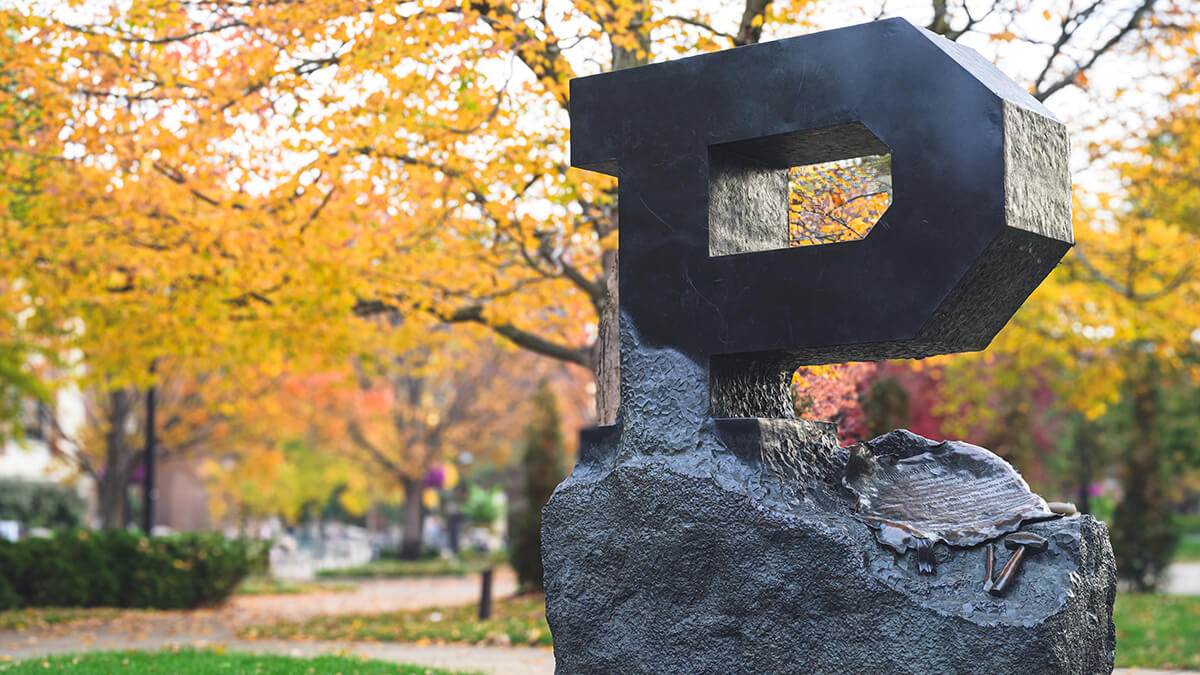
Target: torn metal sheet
{"points": [[916, 492]]}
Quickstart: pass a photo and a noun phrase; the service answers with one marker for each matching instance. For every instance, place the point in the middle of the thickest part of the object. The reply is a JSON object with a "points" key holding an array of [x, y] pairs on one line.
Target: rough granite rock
{"points": [[712, 560]]}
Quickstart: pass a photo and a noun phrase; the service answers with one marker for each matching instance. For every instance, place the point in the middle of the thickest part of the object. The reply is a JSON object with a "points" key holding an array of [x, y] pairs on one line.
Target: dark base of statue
{"points": [[731, 558]]}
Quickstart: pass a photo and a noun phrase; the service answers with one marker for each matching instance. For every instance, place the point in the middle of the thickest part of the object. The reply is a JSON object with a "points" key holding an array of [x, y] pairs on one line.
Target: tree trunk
{"points": [[1143, 495], [1144, 534], [113, 486], [410, 543], [1085, 444], [606, 361], [112, 501], [606, 353], [639, 55]]}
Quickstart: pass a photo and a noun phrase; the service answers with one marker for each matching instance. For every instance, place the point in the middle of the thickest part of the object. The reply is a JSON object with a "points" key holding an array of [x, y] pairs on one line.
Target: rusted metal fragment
{"points": [[916, 492], [989, 563], [1023, 543]]}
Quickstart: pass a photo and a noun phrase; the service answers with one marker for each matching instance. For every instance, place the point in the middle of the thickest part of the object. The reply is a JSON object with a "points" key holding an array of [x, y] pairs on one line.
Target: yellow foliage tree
{"points": [[220, 183], [288, 163]]}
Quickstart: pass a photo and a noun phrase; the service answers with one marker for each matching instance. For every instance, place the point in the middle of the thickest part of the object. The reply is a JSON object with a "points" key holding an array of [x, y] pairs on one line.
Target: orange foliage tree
{"points": [[410, 411], [375, 427]]}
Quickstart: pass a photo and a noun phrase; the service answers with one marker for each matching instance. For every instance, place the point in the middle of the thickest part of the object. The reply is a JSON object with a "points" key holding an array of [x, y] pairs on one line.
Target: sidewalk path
{"points": [[492, 660], [1150, 671], [219, 626], [1183, 578]]}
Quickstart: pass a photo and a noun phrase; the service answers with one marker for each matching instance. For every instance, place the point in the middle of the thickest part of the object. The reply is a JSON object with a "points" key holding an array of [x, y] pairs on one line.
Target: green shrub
{"points": [[483, 507], [115, 568], [221, 564], [155, 572], [37, 504], [9, 599], [45, 577], [1144, 539], [90, 558]]}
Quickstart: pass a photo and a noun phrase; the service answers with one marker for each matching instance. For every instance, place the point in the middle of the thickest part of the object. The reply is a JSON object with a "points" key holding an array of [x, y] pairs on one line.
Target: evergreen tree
{"points": [[1156, 426], [542, 469]]}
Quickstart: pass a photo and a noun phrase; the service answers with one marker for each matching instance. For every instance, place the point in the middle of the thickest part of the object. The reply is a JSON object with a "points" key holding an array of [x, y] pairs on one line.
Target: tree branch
{"points": [[519, 337], [595, 290], [360, 439], [700, 24], [541, 55], [1042, 93], [753, 17], [88, 30], [1127, 292], [940, 23]]}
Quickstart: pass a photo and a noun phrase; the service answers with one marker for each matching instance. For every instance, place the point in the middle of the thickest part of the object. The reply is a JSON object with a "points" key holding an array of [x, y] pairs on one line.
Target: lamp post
{"points": [[148, 463]]}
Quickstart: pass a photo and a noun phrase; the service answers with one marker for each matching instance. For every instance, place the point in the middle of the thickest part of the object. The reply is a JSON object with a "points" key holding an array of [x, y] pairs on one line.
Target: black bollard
{"points": [[485, 596]]}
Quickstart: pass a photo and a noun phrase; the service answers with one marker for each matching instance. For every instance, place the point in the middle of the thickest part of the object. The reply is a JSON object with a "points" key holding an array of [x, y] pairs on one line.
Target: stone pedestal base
{"points": [[709, 562]]}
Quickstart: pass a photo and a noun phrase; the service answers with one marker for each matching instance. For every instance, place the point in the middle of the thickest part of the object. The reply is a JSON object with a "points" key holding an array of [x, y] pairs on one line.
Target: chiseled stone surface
{"points": [[1037, 175], [713, 561]]}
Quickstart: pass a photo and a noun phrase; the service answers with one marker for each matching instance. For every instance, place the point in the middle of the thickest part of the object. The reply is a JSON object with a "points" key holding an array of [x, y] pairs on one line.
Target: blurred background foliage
{"points": [[342, 243]]}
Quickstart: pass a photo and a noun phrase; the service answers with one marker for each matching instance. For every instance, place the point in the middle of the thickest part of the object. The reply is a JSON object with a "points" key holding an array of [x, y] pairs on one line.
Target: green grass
{"points": [[515, 621], [1158, 631], [260, 585], [40, 617], [209, 662], [435, 567], [1189, 549], [1190, 524]]}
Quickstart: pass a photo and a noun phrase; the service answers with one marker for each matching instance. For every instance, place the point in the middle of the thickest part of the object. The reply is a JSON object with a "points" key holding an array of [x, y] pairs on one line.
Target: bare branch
{"points": [[595, 289], [317, 211], [1135, 19], [175, 176], [91, 30], [700, 24], [360, 439], [521, 338], [1126, 291], [541, 55]]}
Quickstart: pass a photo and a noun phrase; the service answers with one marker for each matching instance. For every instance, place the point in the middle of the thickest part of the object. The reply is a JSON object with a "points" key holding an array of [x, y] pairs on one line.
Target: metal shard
{"points": [[916, 492], [990, 562]]}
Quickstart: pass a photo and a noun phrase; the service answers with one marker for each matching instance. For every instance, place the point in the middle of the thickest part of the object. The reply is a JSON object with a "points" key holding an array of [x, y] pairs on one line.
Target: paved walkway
{"points": [[1183, 579], [219, 626], [1151, 671], [493, 660]]}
